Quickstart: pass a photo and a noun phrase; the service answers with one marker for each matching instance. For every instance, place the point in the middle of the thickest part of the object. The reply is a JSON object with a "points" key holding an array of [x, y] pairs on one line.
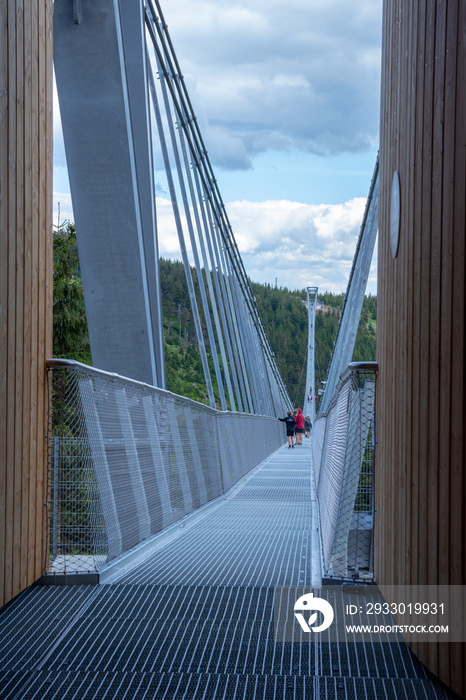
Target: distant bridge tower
{"points": [[309, 398]]}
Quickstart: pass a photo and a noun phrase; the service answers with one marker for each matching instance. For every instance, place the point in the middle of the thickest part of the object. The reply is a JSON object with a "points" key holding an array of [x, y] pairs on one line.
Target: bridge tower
{"points": [[309, 403], [100, 68]]}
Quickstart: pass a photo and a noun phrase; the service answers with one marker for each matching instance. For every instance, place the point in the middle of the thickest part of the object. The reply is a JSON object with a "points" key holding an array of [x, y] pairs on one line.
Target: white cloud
{"points": [[297, 244]]}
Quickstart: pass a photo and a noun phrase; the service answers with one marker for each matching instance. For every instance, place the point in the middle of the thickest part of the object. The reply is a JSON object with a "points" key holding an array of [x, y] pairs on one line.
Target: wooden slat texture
{"points": [[3, 283], [420, 487], [25, 284], [405, 414]]}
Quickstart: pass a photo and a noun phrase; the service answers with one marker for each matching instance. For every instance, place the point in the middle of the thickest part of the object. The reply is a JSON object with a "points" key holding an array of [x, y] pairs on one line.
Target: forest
{"points": [[283, 313]]}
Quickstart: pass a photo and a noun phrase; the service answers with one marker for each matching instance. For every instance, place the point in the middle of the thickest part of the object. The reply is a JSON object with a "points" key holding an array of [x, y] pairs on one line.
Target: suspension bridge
{"points": [[182, 541]]}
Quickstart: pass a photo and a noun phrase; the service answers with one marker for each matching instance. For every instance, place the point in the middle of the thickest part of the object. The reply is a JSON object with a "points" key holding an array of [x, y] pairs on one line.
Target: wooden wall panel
{"points": [[25, 284], [3, 283], [420, 487]]}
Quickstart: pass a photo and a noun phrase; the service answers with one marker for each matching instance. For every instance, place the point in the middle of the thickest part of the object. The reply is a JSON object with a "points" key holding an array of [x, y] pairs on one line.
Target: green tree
{"points": [[283, 313], [70, 333]]}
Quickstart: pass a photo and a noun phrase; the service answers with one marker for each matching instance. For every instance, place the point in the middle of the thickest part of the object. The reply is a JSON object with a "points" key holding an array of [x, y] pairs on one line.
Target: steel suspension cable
{"points": [[202, 229], [183, 106], [241, 350], [179, 228], [229, 365], [205, 303], [231, 320]]}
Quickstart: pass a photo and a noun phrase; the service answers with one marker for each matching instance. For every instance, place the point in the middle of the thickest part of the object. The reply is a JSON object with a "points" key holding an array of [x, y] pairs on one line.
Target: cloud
{"points": [[302, 74], [228, 148], [293, 78], [296, 244]]}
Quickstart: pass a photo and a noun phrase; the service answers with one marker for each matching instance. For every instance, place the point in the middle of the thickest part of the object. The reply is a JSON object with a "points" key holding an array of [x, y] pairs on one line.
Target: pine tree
{"points": [[70, 333]]}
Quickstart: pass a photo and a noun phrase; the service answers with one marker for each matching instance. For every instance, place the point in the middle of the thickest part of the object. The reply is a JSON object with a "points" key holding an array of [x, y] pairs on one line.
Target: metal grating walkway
{"points": [[195, 619]]}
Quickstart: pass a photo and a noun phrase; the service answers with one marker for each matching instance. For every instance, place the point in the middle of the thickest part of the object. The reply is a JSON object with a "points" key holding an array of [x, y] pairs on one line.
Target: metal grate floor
{"points": [[195, 620]]}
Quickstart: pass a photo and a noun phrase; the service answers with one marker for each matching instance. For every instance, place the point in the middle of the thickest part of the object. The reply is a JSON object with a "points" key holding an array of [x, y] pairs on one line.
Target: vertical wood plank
{"points": [[411, 204], [389, 378], [458, 417], [11, 313], [457, 222], [400, 284], [426, 388], [393, 376], [27, 430], [47, 248], [4, 257], [445, 365], [413, 456], [437, 274], [44, 245], [19, 295], [34, 285]]}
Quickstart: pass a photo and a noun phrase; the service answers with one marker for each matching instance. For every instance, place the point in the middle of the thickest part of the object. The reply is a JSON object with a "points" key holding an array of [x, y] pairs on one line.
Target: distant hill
{"points": [[285, 320], [282, 311]]}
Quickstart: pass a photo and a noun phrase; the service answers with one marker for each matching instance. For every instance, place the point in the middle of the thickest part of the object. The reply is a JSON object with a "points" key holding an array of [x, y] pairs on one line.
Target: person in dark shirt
{"points": [[290, 423], [307, 426]]}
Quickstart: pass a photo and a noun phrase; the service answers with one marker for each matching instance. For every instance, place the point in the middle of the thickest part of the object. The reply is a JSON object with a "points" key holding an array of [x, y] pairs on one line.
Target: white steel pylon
{"points": [[310, 396]]}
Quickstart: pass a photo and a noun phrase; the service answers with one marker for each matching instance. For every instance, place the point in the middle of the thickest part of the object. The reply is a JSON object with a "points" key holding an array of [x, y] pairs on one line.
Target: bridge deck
{"points": [[195, 619]]}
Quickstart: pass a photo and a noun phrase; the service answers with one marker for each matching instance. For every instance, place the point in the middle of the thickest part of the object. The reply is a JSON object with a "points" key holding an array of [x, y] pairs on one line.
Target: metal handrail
{"points": [[354, 367], [63, 363]]}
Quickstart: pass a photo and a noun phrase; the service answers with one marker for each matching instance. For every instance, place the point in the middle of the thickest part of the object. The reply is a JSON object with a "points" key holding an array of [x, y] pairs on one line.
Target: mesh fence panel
{"points": [[126, 460], [343, 452], [317, 444], [76, 528]]}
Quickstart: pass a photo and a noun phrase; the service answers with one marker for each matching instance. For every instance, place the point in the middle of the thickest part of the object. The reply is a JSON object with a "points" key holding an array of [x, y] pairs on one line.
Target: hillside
{"points": [[285, 321], [283, 313]]}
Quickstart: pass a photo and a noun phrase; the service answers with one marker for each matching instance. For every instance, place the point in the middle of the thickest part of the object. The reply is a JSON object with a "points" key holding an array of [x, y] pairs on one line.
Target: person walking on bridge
{"points": [[307, 426], [299, 427], [290, 423]]}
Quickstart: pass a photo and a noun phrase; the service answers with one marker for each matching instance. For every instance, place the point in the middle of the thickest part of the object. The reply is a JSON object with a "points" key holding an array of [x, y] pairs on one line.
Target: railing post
{"points": [[56, 467], [346, 523]]}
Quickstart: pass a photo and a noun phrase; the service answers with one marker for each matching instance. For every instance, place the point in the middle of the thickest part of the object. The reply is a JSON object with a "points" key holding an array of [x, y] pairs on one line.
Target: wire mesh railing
{"points": [[343, 446], [126, 460], [77, 528]]}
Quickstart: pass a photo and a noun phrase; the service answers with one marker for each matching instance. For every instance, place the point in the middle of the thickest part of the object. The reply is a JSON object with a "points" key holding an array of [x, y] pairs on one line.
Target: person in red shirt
{"points": [[299, 427]]}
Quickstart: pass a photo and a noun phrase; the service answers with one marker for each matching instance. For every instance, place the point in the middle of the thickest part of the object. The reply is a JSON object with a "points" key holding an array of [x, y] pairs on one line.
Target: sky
{"points": [[287, 97]]}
